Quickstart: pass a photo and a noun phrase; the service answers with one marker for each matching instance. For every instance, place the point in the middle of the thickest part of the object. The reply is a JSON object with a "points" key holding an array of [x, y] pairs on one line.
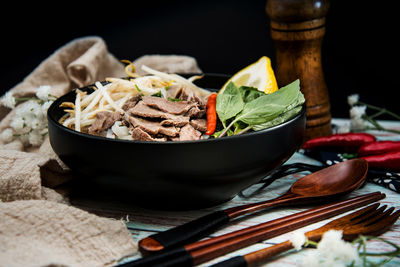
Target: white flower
{"points": [[311, 259], [357, 111], [7, 135], [36, 109], [344, 128], [29, 123], [37, 124], [29, 110], [8, 100], [357, 124], [353, 99], [298, 239], [43, 92], [35, 138], [46, 105], [332, 250], [17, 123]]}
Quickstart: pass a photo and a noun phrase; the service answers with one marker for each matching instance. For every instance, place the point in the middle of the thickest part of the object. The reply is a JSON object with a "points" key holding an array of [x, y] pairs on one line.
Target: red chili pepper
{"points": [[211, 114], [390, 161], [345, 142], [378, 147]]}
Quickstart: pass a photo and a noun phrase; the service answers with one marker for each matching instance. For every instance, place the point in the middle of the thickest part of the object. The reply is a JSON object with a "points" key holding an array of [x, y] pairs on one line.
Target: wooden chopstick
{"points": [[202, 251]]}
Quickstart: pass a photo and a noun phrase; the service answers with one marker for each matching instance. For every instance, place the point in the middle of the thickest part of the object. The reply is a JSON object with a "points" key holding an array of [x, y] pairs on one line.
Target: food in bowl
{"points": [[172, 175], [168, 107]]}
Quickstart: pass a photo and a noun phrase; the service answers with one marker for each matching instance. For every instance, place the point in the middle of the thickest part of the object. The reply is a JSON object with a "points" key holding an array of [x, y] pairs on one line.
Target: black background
{"points": [[359, 51]]}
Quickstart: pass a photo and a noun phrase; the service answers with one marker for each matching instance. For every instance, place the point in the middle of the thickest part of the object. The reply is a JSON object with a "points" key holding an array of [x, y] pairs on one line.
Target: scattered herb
{"points": [[158, 94], [137, 87], [174, 99]]}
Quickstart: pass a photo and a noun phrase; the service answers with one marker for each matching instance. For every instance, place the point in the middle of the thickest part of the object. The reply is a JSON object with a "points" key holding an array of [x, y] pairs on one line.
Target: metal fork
{"points": [[367, 221]]}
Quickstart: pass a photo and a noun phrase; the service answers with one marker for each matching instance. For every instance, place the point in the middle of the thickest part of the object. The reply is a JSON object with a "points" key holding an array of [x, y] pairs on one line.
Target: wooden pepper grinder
{"points": [[297, 30]]}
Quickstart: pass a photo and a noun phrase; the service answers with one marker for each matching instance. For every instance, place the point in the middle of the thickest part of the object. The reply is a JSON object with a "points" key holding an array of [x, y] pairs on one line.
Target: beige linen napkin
{"points": [[45, 233], [167, 63], [37, 228]]}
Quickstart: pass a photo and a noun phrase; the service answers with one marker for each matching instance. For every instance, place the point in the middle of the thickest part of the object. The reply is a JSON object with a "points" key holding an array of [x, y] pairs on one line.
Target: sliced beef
{"points": [[201, 102], [140, 135], [176, 138], [196, 112], [115, 116], [142, 110], [171, 107], [131, 102], [153, 127], [178, 122], [187, 133], [104, 120], [199, 124]]}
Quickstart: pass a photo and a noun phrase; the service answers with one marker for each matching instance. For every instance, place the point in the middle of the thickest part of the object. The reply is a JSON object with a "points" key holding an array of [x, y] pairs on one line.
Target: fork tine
{"points": [[345, 220], [368, 215], [358, 223], [383, 225], [372, 220], [362, 212]]}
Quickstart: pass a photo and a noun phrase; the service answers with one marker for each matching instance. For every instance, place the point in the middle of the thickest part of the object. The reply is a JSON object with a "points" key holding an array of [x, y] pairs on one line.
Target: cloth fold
{"points": [[168, 63], [37, 227], [45, 233]]}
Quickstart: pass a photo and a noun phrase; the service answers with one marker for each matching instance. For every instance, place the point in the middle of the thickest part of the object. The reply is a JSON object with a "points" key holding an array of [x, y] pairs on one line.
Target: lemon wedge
{"points": [[259, 75]]}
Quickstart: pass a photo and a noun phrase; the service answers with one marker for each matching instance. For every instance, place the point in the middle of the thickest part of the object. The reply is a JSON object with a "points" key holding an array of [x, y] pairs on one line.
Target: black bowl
{"points": [[175, 175]]}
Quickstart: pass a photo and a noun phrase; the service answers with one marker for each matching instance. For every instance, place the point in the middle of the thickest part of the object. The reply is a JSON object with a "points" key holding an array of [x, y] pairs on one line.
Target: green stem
{"points": [[245, 129], [380, 109], [227, 128], [378, 126], [310, 243], [364, 246], [393, 253], [25, 98], [52, 96], [383, 111], [368, 105], [373, 122]]}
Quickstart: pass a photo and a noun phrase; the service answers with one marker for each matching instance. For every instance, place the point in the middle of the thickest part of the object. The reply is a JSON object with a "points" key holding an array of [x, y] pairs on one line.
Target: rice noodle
{"points": [[78, 111], [107, 97], [111, 97], [195, 77], [95, 100]]}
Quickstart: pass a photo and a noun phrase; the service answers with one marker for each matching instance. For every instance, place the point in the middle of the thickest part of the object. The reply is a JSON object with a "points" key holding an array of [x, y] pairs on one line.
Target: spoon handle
{"points": [[203, 226]]}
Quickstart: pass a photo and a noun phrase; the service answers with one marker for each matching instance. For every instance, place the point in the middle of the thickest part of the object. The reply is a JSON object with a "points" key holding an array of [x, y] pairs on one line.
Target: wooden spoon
{"points": [[333, 181]]}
